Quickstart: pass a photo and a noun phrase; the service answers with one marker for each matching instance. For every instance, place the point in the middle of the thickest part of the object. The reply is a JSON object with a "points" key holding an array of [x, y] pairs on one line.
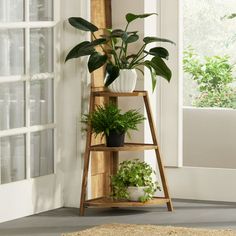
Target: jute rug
{"points": [[148, 230]]}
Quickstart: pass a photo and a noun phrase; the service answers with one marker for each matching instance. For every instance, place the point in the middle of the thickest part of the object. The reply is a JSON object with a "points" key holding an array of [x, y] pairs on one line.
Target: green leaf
{"points": [[147, 40], [231, 16], [132, 38], [97, 42], [159, 51], [117, 33], [80, 50], [160, 68], [153, 75], [96, 60], [82, 24], [113, 72], [131, 17]]}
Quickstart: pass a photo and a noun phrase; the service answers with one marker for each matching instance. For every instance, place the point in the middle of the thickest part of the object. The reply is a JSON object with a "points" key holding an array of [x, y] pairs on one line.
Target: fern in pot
{"points": [[133, 181], [111, 49], [109, 121]]}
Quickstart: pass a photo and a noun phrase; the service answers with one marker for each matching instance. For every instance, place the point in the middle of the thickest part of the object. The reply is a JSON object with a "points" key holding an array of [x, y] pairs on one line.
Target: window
{"points": [[209, 53], [26, 89]]}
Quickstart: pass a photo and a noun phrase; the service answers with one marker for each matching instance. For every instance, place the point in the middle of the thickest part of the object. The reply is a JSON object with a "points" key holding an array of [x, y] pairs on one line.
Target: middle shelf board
{"points": [[126, 147]]}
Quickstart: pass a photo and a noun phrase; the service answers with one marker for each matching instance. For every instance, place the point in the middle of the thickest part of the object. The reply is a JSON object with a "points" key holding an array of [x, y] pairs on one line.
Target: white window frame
{"points": [[27, 25]]}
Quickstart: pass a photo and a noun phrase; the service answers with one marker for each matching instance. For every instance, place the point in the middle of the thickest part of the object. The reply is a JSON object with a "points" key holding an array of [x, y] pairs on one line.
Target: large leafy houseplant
{"points": [[114, 44], [108, 120], [134, 174]]}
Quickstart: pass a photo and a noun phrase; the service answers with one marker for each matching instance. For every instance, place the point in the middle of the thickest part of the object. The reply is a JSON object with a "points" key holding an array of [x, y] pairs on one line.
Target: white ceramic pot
{"points": [[125, 82], [135, 193]]}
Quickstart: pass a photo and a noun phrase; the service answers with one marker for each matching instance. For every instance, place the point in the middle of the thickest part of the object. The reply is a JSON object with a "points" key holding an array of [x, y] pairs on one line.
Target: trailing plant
{"points": [[108, 117], [111, 49], [214, 77], [134, 173]]}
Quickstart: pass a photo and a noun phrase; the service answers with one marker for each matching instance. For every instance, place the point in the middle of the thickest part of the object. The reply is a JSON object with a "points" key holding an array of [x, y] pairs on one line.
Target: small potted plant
{"points": [[112, 51], [108, 121], [133, 181]]}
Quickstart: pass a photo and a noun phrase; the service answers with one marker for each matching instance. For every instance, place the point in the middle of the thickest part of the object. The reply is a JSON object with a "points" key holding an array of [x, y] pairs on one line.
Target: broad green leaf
{"points": [[120, 32], [131, 17], [117, 33], [160, 67], [159, 51], [113, 72], [147, 40], [97, 42], [153, 74], [82, 24], [154, 79], [80, 50], [132, 38], [96, 60]]}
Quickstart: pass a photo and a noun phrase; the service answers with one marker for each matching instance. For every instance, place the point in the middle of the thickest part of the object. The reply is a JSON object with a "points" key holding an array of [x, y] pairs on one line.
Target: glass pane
{"points": [[41, 10], [11, 10], [209, 55], [12, 52], [41, 102], [41, 50], [42, 159], [12, 158], [12, 105], [209, 127]]}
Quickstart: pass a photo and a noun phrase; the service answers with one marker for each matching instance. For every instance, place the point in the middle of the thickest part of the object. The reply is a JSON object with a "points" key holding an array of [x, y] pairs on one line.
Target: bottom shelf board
{"points": [[109, 202]]}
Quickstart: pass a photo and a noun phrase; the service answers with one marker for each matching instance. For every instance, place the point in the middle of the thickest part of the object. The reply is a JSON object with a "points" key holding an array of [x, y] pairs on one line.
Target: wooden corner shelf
{"points": [[126, 147], [111, 94], [109, 202], [106, 201]]}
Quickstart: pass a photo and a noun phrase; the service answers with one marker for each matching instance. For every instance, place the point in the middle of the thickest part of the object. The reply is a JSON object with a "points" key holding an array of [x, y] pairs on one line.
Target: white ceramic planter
{"points": [[125, 83], [135, 193]]}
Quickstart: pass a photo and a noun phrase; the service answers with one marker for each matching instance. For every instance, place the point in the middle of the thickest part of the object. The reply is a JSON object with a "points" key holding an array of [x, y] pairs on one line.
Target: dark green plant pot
{"points": [[115, 139]]}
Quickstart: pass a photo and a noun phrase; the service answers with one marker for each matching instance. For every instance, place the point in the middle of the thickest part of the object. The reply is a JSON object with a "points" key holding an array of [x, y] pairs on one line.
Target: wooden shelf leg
{"points": [[157, 152], [86, 159], [84, 182]]}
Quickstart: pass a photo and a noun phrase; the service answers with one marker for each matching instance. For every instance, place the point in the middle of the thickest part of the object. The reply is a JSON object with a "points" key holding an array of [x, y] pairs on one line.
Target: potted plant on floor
{"points": [[112, 50], [133, 181], [108, 121]]}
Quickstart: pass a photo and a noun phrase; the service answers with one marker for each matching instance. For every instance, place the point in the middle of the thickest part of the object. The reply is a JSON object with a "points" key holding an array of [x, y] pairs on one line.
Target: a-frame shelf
{"points": [[126, 147], [107, 201]]}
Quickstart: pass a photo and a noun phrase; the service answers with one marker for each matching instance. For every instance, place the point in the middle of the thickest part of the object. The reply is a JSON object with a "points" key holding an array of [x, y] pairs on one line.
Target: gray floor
{"points": [[187, 213]]}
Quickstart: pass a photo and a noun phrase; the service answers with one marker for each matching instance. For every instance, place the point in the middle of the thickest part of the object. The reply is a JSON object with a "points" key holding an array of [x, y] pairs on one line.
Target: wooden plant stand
{"points": [[107, 201]]}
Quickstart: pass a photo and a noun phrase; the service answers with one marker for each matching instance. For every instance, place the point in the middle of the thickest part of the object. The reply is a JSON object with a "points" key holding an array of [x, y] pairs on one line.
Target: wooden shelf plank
{"points": [[111, 94], [109, 202], [126, 147]]}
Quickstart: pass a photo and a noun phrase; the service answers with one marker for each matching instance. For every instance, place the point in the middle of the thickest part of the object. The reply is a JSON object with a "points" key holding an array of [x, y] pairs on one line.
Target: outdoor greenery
{"points": [[114, 44], [134, 173], [214, 78], [108, 117]]}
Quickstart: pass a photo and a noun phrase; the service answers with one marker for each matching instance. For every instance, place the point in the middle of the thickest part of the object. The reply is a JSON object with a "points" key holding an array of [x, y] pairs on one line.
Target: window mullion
{"points": [[27, 87]]}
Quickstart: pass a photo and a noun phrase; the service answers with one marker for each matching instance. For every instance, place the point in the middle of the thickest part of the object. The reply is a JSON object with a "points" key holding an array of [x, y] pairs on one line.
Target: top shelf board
{"points": [[111, 94]]}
